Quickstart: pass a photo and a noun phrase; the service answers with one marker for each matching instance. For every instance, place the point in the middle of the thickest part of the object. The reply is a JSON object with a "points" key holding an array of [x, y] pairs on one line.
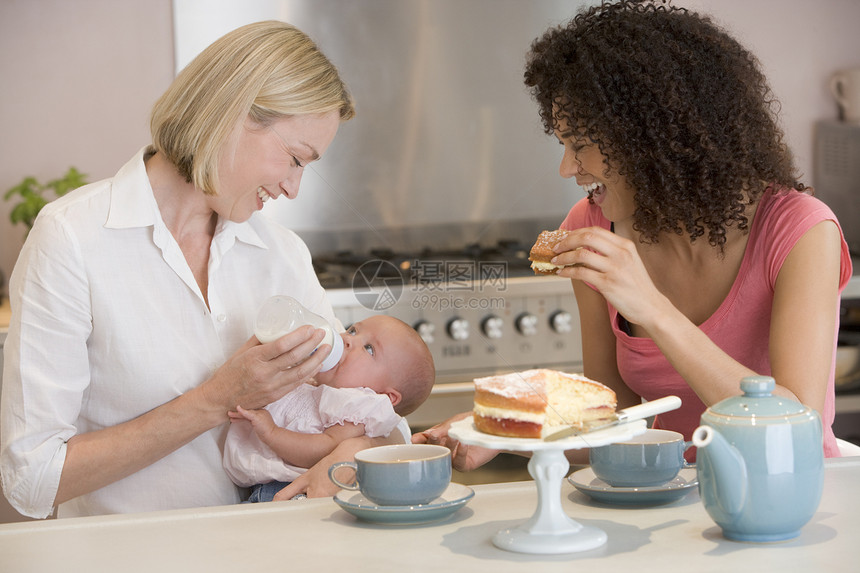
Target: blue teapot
{"points": [[760, 463]]}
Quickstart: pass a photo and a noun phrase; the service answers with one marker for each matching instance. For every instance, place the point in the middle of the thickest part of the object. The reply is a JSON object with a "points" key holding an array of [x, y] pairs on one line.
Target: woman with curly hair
{"points": [[698, 257]]}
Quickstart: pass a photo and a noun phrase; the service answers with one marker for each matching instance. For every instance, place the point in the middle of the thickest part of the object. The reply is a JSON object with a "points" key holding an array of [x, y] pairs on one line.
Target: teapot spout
{"points": [[721, 466]]}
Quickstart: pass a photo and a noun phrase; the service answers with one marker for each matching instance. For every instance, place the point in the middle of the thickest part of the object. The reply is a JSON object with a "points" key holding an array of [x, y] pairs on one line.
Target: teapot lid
{"points": [[758, 401]]}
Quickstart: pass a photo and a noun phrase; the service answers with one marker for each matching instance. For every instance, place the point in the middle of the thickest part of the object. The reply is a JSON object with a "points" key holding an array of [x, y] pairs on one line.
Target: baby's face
{"points": [[371, 352]]}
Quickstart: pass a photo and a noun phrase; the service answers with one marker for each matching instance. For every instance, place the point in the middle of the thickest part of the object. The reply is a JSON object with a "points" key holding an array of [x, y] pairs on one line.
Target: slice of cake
{"points": [[541, 252], [536, 403]]}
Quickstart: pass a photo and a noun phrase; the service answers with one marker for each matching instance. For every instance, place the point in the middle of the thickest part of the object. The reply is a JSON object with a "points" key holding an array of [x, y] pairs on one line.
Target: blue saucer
{"points": [[585, 481], [452, 499]]}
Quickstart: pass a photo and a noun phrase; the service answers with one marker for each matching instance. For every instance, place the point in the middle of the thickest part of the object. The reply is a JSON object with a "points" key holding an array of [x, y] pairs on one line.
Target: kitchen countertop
{"points": [[317, 535]]}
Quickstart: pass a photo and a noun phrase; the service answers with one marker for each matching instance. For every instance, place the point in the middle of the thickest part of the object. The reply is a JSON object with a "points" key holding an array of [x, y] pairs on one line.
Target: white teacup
{"points": [[403, 474], [652, 458], [845, 86]]}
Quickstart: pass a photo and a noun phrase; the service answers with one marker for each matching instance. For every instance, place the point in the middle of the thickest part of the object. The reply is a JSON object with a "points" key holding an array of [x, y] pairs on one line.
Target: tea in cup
{"points": [[652, 458], [403, 474]]}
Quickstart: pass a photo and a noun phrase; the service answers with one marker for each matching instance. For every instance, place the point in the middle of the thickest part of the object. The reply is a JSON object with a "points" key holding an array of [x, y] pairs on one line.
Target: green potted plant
{"points": [[32, 195]]}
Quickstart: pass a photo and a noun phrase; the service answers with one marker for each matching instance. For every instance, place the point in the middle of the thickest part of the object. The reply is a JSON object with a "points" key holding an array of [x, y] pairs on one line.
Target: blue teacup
{"points": [[652, 458], [403, 474]]}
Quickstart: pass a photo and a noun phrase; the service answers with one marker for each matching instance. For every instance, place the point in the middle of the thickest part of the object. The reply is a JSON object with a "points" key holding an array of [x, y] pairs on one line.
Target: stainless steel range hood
{"points": [[447, 146]]}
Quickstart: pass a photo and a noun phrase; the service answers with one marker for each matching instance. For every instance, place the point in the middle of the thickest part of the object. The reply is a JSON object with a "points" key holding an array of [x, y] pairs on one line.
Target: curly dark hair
{"points": [[676, 105]]}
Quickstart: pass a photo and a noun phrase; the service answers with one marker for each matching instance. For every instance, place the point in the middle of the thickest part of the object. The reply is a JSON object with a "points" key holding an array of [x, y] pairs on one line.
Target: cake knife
{"points": [[637, 412]]}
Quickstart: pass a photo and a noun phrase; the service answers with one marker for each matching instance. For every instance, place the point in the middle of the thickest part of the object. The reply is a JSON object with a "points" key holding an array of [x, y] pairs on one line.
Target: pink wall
{"points": [[78, 81], [799, 44]]}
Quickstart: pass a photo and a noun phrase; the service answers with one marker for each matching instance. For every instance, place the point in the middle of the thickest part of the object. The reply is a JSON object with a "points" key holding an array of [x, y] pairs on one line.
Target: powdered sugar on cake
{"points": [[541, 252], [513, 385], [517, 384], [548, 239]]}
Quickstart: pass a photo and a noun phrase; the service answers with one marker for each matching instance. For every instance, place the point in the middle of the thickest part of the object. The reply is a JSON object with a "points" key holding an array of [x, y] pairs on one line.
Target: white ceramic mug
{"points": [[404, 474], [845, 86]]}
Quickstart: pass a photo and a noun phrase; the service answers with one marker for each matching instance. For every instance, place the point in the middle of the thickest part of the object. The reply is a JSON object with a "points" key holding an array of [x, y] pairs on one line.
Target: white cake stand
{"points": [[550, 530]]}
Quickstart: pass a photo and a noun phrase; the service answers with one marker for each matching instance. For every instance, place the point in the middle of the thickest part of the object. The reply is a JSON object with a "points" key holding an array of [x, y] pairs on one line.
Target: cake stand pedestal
{"points": [[549, 530]]}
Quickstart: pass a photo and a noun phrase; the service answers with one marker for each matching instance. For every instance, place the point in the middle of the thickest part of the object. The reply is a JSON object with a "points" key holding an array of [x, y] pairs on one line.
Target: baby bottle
{"points": [[282, 314]]}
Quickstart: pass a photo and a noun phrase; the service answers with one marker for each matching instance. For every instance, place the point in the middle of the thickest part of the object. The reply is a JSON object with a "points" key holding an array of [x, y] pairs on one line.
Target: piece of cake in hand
{"points": [[541, 252], [537, 403]]}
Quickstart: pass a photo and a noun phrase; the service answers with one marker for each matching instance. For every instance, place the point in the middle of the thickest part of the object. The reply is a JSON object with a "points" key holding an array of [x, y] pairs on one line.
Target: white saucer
{"points": [[452, 499], [465, 431], [585, 481]]}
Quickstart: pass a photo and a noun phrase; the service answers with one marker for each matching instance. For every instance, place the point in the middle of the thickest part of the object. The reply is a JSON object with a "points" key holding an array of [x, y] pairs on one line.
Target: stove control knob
{"points": [[458, 328], [426, 330], [492, 326], [526, 323], [561, 321]]}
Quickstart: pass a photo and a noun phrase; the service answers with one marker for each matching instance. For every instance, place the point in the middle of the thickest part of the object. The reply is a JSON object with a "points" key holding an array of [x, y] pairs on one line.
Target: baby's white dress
{"points": [[310, 410]]}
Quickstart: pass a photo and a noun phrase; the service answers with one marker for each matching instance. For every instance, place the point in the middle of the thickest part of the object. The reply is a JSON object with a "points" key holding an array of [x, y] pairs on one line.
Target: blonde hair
{"points": [[263, 71]]}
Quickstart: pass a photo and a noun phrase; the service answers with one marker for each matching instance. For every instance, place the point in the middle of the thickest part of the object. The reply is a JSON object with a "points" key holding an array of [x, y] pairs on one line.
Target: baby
{"points": [[386, 372]]}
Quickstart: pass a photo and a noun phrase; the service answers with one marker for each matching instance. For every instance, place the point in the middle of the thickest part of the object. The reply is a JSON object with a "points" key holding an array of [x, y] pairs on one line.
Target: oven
{"points": [[480, 309]]}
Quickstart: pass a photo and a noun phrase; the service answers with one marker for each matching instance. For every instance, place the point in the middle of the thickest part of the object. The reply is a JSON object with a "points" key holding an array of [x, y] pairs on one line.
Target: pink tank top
{"points": [[741, 325]]}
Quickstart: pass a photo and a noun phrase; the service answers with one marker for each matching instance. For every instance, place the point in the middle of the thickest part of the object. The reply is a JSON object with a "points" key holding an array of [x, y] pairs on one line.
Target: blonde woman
{"points": [[133, 298]]}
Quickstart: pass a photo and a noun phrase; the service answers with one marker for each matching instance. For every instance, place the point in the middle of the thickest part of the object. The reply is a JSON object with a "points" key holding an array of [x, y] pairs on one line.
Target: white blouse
{"points": [[108, 323]]}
